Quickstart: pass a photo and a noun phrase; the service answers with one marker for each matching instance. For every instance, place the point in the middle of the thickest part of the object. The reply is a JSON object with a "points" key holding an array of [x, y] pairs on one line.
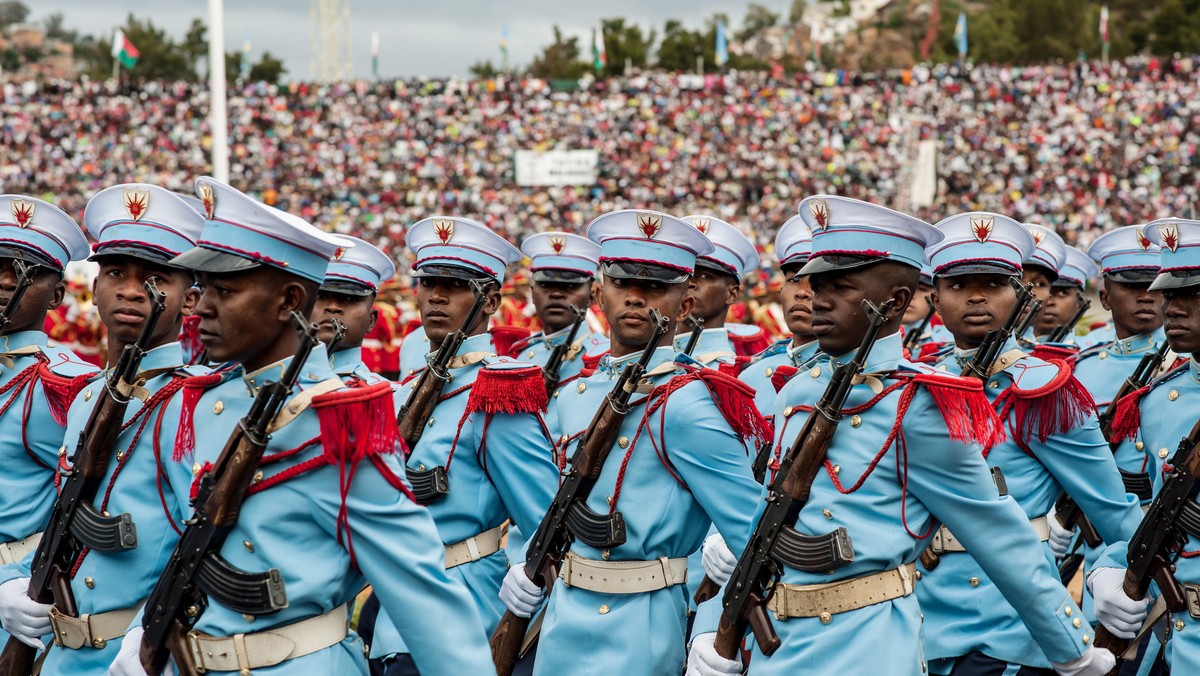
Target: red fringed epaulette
{"points": [[1054, 408], [968, 414], [189, 336], [193, 389], [504, 338], [782, 375], [591, 361], [735, 367], [508, 390], [928, 353], [734, 399], [356, 422], [1128, 416], [1065, 353], [60, 390], [750, 345]]}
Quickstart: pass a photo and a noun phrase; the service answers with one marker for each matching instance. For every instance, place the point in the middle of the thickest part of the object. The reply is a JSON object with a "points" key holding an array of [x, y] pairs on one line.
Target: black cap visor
{"points": [[835, 262], [29, 257], [451, 272], [344, 287], [1176, 279], [202, 259], [979, 268], [559, 276], [156, 256], [1133, 275], [640, 270]]}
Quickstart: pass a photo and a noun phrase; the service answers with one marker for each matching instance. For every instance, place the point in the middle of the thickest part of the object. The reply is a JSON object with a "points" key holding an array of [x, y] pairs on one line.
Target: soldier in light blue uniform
{"points": [[348, 295], [1066, 297], [793, 243], [1053, 443], [563, 268], [680, 464], [487, 433], [413, 349], [37, 383], [1041, 270], [137, 228], [716, 285], [935, 334], [1158, 418], [331, 510], [899, 464]]}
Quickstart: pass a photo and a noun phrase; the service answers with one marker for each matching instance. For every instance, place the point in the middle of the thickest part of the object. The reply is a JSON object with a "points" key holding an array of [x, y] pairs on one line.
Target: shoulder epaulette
{"points": [[505, 385], [968, 414], [522, 344], [189, 336], [193, 388], [734, 399], [1052, 407], [1062, 351], [747, 341], [735, 367], [505, 337], [1128, 416], [782, 375]]}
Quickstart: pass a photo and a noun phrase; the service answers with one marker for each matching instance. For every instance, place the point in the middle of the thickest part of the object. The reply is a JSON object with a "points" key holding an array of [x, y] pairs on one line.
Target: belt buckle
{"points": [[938, 544], [193, 644], [67, 634], [1192, 594], [779, 596]]}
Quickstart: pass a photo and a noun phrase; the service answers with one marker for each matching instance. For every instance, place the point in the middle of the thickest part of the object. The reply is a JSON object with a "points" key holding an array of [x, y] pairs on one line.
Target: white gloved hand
{"points": [[1060, 538], [703, 659], [1093, 662], [1114, 609], [520, 594], [717, 560], [26, 619], [128, 661]]}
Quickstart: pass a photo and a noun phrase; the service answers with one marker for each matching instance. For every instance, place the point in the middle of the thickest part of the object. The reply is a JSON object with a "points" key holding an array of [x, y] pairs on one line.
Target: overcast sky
{"points": [[418, 37]]}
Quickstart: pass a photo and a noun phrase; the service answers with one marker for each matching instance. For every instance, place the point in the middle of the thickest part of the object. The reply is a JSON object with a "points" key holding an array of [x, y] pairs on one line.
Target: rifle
{"points": [[697, 325], [50, 580], [980, 366], [559, 354], [176, 601], [1152, 547], [751, 582], [339, 332], [1035, 308], [552, 539], [25, 274], [1063, 330], [913, 339], [1066, 510], [413, 416]]}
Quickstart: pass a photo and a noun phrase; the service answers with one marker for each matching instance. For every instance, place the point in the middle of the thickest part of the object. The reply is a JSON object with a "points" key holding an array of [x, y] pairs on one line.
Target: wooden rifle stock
{"points": [[49, 580], [414, 415], [551, 541]]}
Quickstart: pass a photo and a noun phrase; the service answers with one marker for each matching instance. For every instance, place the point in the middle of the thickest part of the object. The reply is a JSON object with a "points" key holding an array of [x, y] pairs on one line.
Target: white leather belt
{"points": [[91, 631], [475, 548], [944, 541], [11, 552], [243, 652], [622, 577], [829, 599]]}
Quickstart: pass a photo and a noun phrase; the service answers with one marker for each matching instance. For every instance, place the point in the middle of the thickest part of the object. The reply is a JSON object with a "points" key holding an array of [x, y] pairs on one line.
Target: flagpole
{"points": [[217, 120]]}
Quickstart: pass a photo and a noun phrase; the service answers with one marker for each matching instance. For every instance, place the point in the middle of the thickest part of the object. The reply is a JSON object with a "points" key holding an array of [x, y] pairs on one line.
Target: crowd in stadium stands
{"points": [[1082, 147]]}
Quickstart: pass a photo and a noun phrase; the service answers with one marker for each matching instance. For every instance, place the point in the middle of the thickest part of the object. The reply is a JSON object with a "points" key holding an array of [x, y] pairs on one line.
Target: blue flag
{"points": [[960, 35], [722, 46]]}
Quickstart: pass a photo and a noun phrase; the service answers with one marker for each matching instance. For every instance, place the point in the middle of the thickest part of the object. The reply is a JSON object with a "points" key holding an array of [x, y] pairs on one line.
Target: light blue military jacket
{"points": [[413, 349], [712, 348], [31, 437], [1096, 336], [964, 610], [536, 350], [926, 479], [758, 372], [502, 469], [1168, 413], [293, 526], [349, 365], [587, 632], [139, 483]]}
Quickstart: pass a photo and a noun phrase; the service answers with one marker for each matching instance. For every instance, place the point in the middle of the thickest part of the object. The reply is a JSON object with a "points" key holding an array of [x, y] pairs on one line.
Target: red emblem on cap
{"points": [[444, 229], [338, 253], [1170, 235], [1038, 236], [820, 213], [1143, 240], [22, 212], [701, 224], [136, 203], [649, 224], [208, 199], [558, 243], [981, 227]]}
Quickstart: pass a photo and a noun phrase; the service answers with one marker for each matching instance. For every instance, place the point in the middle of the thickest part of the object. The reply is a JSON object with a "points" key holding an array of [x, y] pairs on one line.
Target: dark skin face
{"points": [[796, 298], [358, 313], [1181, 318], [919, 307], [1135, 308], [1040, 279], [627, 303], [44, 294], [444, 303], [972, 305], [124, 305], [839, 320], [714, 293], [246, 316], [553, 301], [1064, 302]]}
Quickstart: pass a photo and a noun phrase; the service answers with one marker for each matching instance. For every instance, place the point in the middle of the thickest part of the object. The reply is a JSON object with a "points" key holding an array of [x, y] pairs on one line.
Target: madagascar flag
{"points": [[124, 50]]}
